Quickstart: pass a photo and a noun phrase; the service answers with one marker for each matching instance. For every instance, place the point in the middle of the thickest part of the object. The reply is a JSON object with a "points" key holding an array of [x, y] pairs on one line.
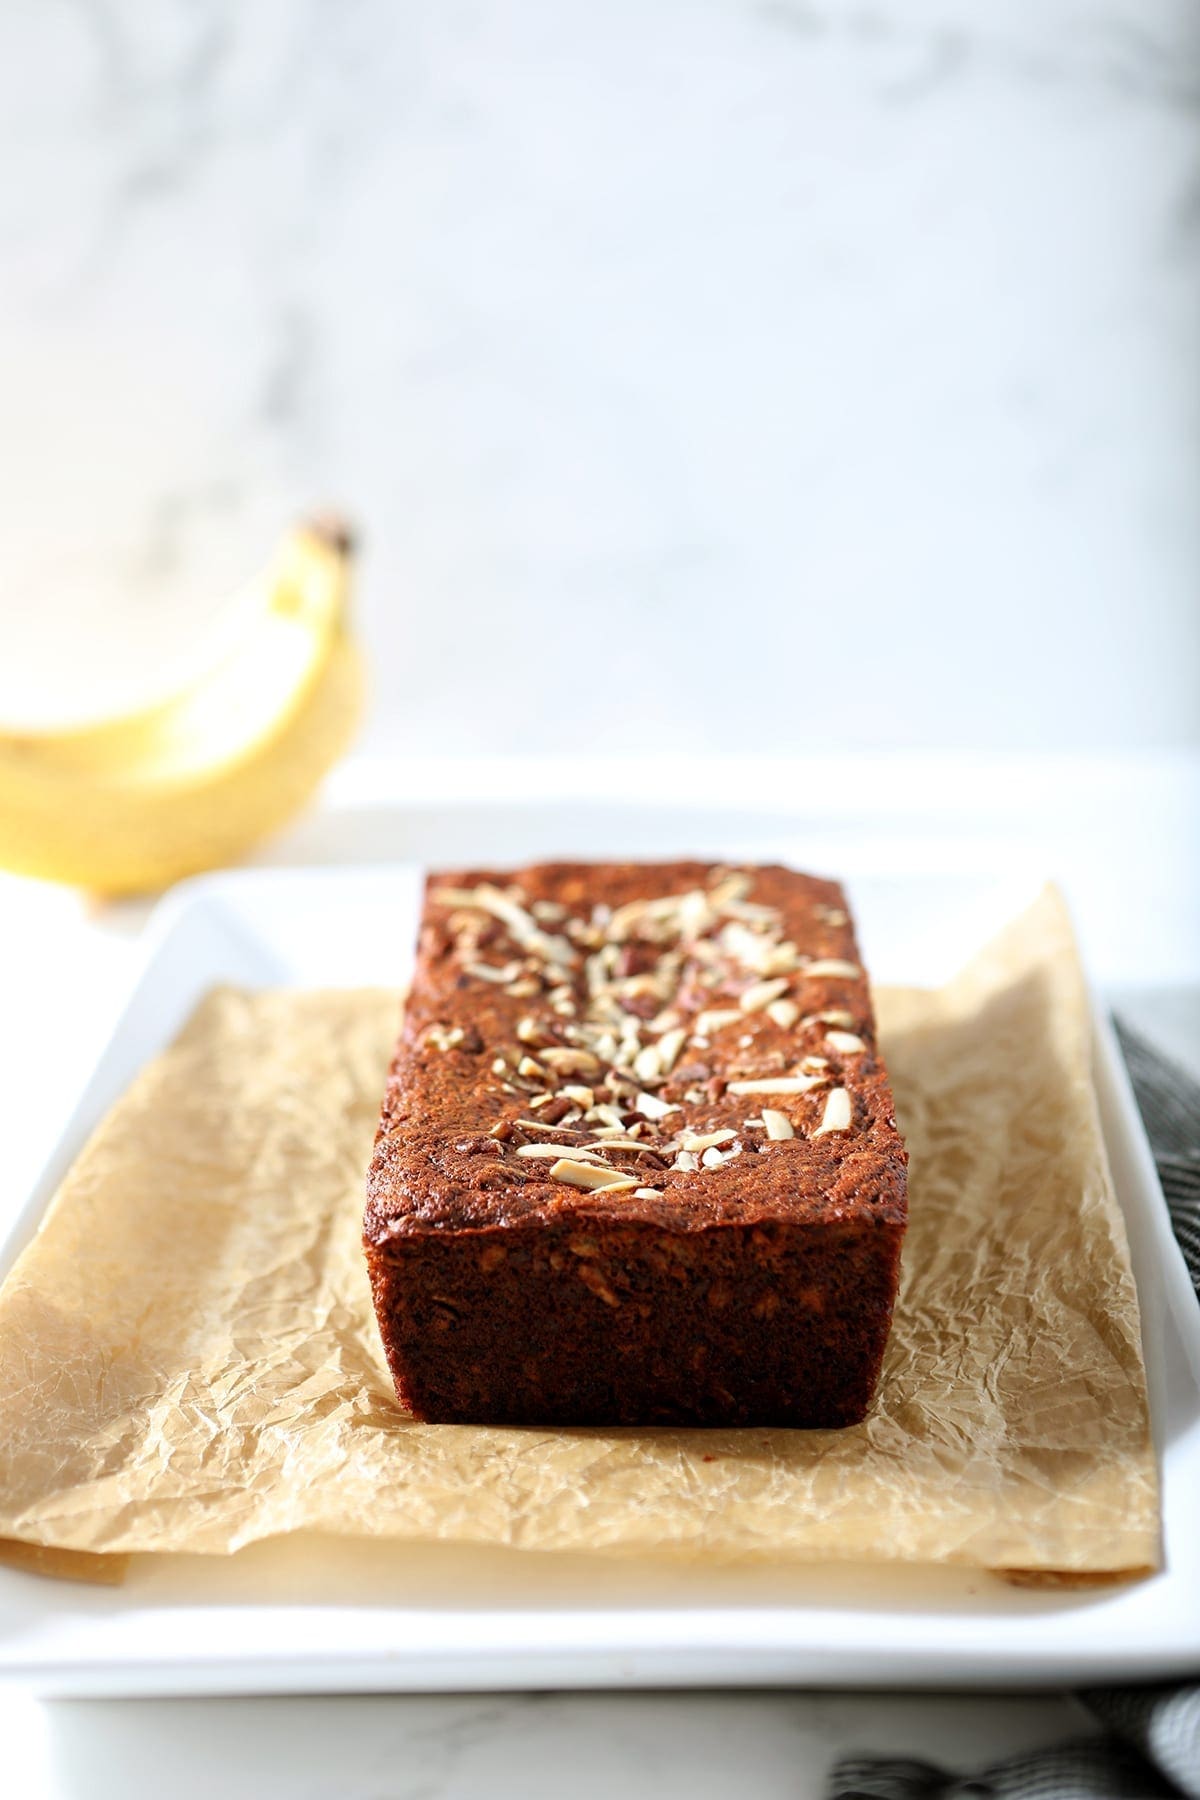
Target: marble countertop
{"points": [[701, 1746]]}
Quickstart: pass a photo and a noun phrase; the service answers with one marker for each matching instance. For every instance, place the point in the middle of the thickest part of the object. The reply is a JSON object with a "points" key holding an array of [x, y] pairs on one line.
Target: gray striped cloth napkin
{"points": [[1151, 1741]]}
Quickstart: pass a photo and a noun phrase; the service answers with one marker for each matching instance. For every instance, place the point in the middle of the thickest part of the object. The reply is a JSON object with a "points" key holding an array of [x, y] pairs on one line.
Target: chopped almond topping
{"points": [[522, 926], [623, 986]]}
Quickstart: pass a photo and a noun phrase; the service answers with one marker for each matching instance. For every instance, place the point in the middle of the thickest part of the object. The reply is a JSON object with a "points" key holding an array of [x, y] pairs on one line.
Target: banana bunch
{"points": [[131, 804]]}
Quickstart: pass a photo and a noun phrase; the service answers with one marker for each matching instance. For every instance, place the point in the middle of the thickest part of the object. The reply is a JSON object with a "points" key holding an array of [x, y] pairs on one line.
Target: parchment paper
{"points": [[189, 1362]]}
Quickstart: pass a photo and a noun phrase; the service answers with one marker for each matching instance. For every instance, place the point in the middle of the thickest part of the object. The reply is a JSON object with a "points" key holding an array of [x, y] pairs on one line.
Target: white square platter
{"points": [[308, 1615]]}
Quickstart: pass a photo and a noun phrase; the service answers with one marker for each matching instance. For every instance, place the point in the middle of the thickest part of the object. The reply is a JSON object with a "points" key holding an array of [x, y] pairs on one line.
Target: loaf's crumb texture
{"points": [[637, 1162]]}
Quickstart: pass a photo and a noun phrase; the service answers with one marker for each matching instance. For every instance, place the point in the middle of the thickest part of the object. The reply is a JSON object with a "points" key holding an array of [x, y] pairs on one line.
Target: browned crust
{"points": [[756, 1291]]}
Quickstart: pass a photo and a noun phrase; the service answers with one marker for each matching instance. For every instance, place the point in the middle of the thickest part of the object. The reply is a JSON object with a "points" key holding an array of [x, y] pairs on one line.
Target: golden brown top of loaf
{"points": [[684, 1042]]}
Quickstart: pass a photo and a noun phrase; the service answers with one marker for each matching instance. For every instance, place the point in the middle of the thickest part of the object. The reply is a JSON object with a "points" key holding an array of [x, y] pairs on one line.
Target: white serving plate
{"points": [[338, 1616]]}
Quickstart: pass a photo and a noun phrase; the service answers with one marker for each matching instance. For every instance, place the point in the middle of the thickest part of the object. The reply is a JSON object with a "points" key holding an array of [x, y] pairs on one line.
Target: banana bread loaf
{"points": [[637, 1162]]}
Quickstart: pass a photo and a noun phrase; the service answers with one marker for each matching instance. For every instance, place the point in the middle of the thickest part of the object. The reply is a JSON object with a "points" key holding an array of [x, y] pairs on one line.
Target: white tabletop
{"points": [[67, 964]]}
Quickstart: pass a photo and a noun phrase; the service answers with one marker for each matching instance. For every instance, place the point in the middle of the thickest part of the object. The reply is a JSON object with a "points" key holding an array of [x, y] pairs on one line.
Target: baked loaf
{"points": [[637, 1162]]}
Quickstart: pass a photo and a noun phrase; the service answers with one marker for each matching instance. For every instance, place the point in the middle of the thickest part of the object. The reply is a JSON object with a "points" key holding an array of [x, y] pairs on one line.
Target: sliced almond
{"points": [[783, 1013], [669, 1046], [646, 1194], [587, 1175], [764, 916], [832, 965], [647, 1065], [686, 1162], [730, 888], [716, 1019], [838, 1112], [847, 1042], [696, 915], [548, 912], [778, 1125], [606, 1115], [713, 1159], [490, 972], [582, 1096], [762, 993], [651, 1107], [776, 1084], [536, 1151], [522, 925], [705, 1140], [533, 1071], [571, 1062]]}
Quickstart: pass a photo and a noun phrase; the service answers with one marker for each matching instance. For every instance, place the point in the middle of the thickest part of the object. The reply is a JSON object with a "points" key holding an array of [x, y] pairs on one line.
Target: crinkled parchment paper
{"points": [[189, 1362]]}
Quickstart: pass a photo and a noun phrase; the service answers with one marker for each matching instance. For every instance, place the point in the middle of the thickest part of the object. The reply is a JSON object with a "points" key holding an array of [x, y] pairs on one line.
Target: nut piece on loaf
{"points": [[637, 1162]]}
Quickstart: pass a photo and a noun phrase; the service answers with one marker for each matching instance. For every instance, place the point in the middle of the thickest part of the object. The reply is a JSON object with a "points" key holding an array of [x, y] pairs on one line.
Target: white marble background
{"points": [[704, 374]]}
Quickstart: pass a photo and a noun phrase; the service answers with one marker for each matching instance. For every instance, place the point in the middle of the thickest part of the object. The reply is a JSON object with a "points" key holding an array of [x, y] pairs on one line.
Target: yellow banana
{"points": [[192, 781]]}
